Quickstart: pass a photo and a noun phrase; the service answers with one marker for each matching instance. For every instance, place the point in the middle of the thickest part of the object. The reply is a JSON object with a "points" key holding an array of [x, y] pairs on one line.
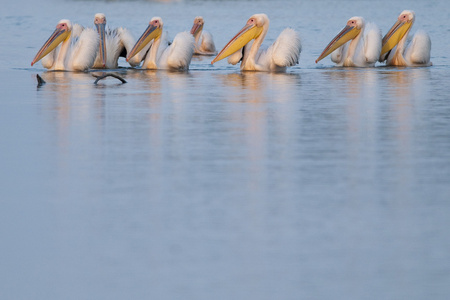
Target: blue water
{"points": [[321, 183]]}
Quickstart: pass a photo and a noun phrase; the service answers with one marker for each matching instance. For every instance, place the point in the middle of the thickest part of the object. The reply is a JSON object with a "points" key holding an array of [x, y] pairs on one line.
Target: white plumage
{"points": [[283, 53], [401, 50], [362, 51], [204, 42], [113, 43], [70, 48], [161, 55], [175, 56], [361, 48]]}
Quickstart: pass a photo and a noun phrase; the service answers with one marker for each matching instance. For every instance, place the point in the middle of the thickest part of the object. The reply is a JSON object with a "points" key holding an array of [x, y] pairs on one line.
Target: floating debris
{"points": [[104, 75], [40, 81]]}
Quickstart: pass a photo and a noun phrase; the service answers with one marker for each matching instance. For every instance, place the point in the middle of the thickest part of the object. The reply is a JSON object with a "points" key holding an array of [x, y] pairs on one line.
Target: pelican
{"points": [[284, 52], [113, 43], [161, 55], [77, 51], [206, 45], [398, 50], [364, 47]]}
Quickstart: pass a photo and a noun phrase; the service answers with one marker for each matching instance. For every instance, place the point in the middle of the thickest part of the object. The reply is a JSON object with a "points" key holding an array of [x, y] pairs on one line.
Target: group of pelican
{"points": [[75, 48], [361, 45]]}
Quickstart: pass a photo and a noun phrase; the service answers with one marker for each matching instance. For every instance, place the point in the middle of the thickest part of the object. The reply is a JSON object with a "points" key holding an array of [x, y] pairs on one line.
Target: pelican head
{"points": [[350, 31], [99, 19], [398, 30], [61, 33], [153, 31], [100, 24], [251, 30], [198, 25]]}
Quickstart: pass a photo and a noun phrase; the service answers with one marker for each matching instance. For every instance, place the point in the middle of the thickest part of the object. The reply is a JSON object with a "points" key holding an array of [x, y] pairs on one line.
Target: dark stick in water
{"points": [[104, 75], [40, 81]]}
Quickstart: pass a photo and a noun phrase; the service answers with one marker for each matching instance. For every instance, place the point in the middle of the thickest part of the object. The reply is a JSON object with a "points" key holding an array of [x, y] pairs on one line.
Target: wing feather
{"points": [[181, 51], [77, 29], [207, 43], [286, 49], [84, 50], [114, 46], [419, 49], [372, 43]]}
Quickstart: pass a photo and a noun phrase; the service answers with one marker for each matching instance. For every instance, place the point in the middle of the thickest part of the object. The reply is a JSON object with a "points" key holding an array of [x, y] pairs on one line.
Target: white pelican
{"points": [[161, 55], [77, 51], [398, 50], [205, 46], [113, 43], [284, 52], [362, 51]]}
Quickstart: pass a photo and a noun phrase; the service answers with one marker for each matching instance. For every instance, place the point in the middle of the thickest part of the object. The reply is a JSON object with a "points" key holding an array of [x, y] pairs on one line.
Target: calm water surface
{"points": [[321, 183]]}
